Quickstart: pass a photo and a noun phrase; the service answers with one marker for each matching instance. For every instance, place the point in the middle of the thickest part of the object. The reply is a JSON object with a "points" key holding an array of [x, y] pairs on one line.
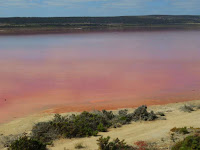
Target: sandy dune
{"points": [[152, 131]]}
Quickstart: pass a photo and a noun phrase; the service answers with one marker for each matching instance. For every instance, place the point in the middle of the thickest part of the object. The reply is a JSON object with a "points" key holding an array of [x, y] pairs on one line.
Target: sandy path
{"points": [[147, 131]]}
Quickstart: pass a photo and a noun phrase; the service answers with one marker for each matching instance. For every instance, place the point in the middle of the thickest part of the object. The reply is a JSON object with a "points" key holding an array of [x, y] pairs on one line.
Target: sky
{"points": [[65, 8]]}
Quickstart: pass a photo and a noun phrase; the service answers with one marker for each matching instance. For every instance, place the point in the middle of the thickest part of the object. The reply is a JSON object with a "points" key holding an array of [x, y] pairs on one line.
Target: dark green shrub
{"points": [[86, 124], [45, 132], [108, 114], [184, 130], [189, 143], [141, 113], [116, 144], [123, 112], [25, 143], [101, 128]]}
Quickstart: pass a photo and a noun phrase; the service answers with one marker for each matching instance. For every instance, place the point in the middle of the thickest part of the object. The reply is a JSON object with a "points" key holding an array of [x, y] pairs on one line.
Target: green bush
{"points": [[86, 124], [45, 132], [141, 113], [189, 143], [116, 144], [184, 130], [101, 128], [25, 143]]}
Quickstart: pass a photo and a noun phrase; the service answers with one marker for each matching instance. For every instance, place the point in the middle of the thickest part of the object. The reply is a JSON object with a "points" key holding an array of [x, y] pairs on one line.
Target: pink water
{"points": [[75, 72]]}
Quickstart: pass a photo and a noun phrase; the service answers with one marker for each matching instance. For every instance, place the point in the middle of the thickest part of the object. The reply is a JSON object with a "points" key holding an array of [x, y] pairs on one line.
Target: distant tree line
{"points": [[136, 20]]}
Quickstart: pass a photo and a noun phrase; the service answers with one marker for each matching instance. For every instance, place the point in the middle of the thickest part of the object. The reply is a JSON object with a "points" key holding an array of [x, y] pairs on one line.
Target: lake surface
{"points": [[75, 72]]}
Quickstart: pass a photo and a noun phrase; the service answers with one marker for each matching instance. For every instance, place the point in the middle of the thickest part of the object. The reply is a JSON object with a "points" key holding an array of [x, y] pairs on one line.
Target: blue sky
{"points": [[43, 8]]}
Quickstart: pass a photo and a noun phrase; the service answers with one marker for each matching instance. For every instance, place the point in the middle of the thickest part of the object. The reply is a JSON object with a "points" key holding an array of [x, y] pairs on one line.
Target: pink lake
{"points": [[76, 72]]}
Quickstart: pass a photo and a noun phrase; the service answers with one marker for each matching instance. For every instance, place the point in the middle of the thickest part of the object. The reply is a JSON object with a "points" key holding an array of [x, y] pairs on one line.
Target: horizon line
{"points": [[94, 16]]}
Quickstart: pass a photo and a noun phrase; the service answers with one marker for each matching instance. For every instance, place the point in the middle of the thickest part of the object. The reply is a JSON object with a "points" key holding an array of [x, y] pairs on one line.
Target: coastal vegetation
{"points": [[134, 20], [88, 124], [183, 130], [116, 144], [26, 143], [189, 143], [105, 143], [33, 25], [187, 108], [82, 125]]}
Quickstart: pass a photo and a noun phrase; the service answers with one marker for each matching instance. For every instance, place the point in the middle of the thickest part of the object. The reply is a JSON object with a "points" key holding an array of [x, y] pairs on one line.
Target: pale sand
{"points": [[152, 131]]}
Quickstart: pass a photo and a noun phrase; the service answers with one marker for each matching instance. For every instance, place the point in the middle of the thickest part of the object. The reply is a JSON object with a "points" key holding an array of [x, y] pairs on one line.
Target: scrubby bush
{"points": [[121, 118], [123, 112], [141, 113], [186, 108], [86, 124], [183, 130], [108, 114], [5, 141], [116, 144], [25, 143], [45, 132], [189, 143]]}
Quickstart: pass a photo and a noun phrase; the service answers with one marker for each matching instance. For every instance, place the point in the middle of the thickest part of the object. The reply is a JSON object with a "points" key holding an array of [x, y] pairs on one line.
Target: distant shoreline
{"points": [[67, 30], [57, 25]]}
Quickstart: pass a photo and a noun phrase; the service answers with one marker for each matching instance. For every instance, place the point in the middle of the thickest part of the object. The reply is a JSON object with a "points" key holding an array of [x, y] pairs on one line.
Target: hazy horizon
{"points": [[97, 16]]}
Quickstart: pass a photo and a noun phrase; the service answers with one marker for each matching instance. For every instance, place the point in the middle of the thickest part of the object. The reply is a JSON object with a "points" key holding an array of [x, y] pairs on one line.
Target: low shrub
{"points": [[189, 143], [45, 132], [183, 130], [123, 112], [141, 113], [5, 141], [25, 143], [87, 124], [116, 144], [186, 108]]}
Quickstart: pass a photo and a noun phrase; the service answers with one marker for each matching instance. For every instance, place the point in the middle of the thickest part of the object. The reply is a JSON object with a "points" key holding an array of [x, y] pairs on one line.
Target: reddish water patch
{"points": [[95, 71]]}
